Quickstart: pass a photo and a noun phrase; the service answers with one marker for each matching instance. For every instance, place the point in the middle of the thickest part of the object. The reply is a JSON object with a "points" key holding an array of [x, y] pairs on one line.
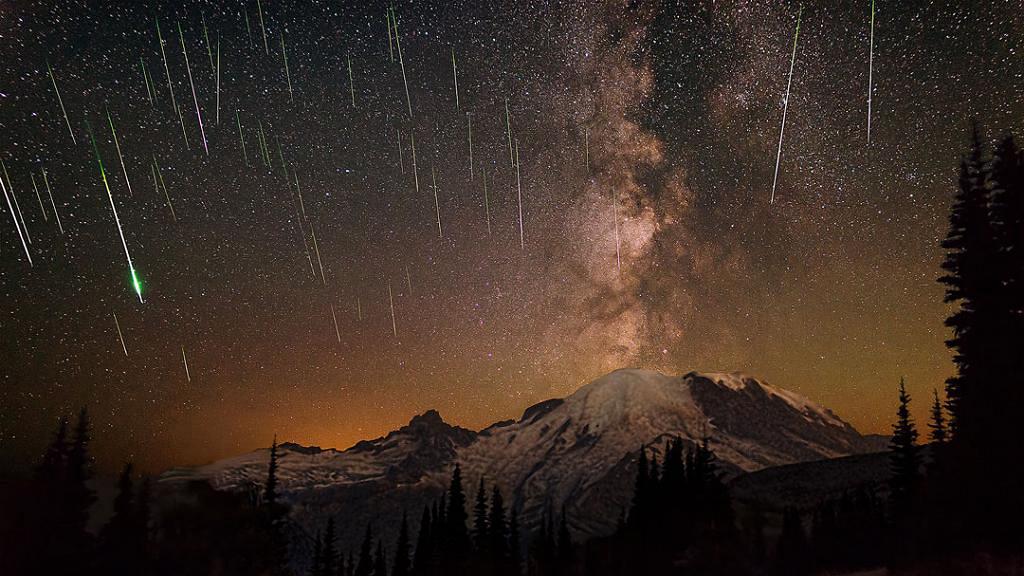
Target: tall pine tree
{"points": [[905, 460], [401, 567], [457, 544]]}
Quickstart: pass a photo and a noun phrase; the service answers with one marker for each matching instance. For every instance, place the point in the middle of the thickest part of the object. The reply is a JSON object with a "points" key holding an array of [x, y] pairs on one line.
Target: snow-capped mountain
{"points": [[576, 453]]}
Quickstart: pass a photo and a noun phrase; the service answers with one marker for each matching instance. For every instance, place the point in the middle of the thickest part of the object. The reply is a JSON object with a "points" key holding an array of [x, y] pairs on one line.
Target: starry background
{"points": [[646, 137]]}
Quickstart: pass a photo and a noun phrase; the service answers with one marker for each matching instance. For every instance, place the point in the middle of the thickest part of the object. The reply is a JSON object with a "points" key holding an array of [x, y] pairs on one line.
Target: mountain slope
{"points": [[576, 453]]}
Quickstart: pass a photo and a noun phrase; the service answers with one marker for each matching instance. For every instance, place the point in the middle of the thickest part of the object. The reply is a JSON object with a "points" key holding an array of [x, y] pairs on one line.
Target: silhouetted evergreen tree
{"points": [[1000, 476], [498, 532], [329, 555], [938, 421], [270, 488], [365, 565], [970, 284], [905, 459], [480, 537], [121, 548], [274, 516], [638, 513], [401, 566], [317, 566], [424, 546], [515, 544], [457, 544]]}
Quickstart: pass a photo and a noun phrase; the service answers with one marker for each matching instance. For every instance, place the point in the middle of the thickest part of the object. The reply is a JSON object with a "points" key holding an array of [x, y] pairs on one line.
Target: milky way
{"points": [[635, 229]]}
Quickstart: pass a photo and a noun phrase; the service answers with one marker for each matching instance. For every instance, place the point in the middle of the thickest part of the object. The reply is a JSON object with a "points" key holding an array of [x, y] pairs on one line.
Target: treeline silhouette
{"points": [[954, 506]]}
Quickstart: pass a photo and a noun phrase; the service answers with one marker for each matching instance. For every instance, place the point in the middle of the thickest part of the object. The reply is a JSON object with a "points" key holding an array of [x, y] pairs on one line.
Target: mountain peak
{"points": [[429, 418]]}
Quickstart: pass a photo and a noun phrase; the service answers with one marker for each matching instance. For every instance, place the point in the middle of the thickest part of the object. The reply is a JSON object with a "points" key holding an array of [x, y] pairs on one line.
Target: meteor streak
{"points": [[52, 203], [14, 217], [38, 197], [184, 360], [401, 61], [415, 173], [119, 157], [10, 184], [218, 78], [301, 204], [469, 129], [167, 197], [206, 36], [259, 7], [508, 127], [241, 139], [119, 335], [335, 318], [136, 284], [391, 42], [401, 161], [145, 80], [391, 301], [351, 85], [170, 88], [519, 191], [785, 105], [61, 100], [199, 114], [318, 260], [487, 204], [437, 206], [455, 74], [871, 66], [287, 74]]}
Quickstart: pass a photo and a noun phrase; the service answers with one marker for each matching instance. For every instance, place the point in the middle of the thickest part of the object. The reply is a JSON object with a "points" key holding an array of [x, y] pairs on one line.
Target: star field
{"points": [[646, 135]]}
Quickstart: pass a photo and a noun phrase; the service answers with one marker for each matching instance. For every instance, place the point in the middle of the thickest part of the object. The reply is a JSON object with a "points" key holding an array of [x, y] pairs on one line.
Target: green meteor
{"points": [[785, 103], [136, 283]]}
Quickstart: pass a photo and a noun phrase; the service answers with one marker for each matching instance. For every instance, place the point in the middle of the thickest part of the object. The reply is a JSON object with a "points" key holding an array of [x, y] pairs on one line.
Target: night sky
{"points": [[644, 127]]}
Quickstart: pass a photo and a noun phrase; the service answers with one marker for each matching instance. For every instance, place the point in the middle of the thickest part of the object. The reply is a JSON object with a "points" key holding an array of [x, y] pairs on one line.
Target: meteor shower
{"points": [[511, 288]]}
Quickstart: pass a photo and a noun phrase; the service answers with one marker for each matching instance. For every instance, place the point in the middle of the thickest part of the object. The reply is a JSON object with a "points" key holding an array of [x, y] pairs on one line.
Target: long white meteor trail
{"points": [[508, 127], [170, 87], [871, 66], [259, 7], [287, 73], [61, 100], [401, 62], [119, 157], [38, 197], [14, 217], [351, 84], [136, 284], [415, 172], [487, 204], [17, 207], [455, 74], [52, 203], [184, 360], [199, 114], [318, 260], [785, 104], [335, 318], [391, 301], [119, 335], [437, 205], [519, 192]]}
